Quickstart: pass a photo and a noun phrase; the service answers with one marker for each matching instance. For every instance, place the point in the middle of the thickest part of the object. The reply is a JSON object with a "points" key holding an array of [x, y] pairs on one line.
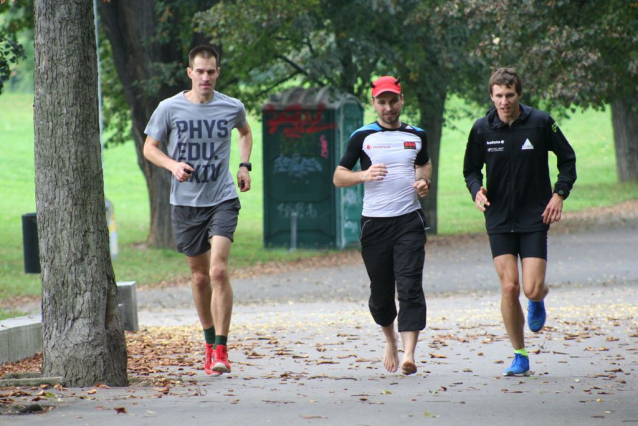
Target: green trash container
{"points": [[305, 132]]}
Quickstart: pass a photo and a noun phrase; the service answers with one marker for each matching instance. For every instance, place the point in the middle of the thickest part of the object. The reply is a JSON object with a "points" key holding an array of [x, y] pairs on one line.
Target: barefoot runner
{"points": [[395, 169]]}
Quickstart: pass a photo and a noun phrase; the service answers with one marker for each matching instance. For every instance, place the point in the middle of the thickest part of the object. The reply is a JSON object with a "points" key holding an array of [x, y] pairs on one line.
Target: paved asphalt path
{"points": [[595, 257], [307, 353]]}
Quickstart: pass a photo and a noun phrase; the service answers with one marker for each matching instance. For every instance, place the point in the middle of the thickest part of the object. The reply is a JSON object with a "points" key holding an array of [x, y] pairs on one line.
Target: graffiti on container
{"points": [[350, 197], [303, 210], [351, 225], [296, 166], [296, 122], [324, 146]]}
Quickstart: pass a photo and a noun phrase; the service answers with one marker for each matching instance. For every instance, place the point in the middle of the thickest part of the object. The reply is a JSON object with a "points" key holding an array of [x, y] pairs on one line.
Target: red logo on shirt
{"points": [[409, 145], [368, 147]]}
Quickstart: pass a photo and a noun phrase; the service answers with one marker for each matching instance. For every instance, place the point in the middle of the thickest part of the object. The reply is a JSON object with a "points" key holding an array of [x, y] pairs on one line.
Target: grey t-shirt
{"points": [[199, 134]]}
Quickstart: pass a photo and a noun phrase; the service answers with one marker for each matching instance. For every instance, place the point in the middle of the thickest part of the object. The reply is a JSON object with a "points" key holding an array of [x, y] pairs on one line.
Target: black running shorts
{"points": [[520, 244], [393, 251], [195, 226]]}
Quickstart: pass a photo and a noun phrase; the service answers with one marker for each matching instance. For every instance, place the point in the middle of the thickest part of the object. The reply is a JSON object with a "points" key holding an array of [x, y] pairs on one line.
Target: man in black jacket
{"points": [[513, 141]]}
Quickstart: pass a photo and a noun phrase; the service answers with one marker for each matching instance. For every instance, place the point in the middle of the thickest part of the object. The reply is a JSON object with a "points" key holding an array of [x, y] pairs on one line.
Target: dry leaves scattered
{"points": [[272, 349]]}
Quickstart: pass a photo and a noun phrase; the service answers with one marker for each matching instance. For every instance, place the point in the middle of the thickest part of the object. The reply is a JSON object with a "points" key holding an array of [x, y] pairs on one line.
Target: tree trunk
{"points": [[129, 27], [83, 338], [625, 123], [432, 122], [138, 55]]}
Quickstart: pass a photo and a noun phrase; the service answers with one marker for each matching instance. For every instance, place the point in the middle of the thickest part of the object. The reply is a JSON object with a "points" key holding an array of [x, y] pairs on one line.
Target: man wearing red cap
{"points": [[395, 171]]}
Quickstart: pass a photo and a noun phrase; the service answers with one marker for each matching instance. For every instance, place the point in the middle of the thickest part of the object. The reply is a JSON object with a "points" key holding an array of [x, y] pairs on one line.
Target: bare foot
{"points": [[391, 355], [408, 367], [410, 339]]}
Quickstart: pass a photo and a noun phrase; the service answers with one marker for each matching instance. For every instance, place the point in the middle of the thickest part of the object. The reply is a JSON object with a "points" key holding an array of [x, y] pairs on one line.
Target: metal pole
{"points": [[293, 231]]}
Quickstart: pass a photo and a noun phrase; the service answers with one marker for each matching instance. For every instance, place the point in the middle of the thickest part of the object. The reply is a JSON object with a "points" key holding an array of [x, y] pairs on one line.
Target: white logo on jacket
{"points": [[527, 145]]}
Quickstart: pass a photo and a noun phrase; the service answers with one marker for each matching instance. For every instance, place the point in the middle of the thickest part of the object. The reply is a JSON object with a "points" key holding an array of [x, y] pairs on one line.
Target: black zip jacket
{"points": [[518, 181]]}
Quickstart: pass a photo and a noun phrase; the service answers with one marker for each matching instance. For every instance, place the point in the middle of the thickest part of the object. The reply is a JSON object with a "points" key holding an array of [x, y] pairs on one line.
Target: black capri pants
{"points": [[393, 251]]}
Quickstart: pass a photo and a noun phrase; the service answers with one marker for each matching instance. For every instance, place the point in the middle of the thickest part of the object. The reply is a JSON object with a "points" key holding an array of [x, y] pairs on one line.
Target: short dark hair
{"points": [[205, 52], [506, 77]]}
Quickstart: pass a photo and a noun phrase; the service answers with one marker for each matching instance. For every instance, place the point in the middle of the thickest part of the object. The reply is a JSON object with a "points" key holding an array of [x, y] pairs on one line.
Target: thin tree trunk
{"points": [[130, 27], [432, 122], [625, 123], [83, 338], [139, 54]]}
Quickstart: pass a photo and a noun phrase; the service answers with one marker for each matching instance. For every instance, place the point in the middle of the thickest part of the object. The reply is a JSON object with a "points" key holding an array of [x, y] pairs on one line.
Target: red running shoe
{"points": [[208, 361], [220, 361]]}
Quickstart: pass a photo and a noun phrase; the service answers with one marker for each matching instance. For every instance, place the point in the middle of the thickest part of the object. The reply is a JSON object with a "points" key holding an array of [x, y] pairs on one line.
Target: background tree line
{"points": [[570, 53]]}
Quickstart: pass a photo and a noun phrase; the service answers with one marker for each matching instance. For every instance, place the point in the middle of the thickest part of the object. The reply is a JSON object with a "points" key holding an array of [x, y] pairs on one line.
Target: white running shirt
{"points": [[400, 150]]}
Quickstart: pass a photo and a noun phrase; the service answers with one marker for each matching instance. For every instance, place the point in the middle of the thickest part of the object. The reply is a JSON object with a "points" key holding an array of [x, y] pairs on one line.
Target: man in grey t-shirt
{"points": [[196, 125]]}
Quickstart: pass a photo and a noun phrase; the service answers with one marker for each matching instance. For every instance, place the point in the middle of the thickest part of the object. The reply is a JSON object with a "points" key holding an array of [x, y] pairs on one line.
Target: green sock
{"points": [[521, 351], [209, 335], [220, 340]]}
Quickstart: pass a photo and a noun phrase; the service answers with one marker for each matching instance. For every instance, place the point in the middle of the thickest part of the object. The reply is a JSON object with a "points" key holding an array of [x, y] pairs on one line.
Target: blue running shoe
{"points": [[520, 366], [536, 315]]}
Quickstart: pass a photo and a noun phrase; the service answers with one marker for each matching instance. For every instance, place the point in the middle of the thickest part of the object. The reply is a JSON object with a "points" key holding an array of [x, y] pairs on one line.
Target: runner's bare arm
{"points": [[423, 176], [245, 149], [344, 177], [152, 152]]}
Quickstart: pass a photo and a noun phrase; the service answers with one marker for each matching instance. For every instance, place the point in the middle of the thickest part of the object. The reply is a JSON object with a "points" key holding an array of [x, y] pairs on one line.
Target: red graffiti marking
{"points": [[296, 122], [324, 146]]}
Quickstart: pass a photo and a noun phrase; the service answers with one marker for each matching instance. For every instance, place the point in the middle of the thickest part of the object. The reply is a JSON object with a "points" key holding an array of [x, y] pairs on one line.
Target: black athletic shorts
{"points": [[393, 251], [520, 244], [195, 226]]}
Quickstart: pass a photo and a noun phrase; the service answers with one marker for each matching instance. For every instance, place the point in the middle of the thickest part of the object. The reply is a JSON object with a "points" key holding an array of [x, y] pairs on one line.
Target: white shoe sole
{"points": [[527, 373], [221, 368]]}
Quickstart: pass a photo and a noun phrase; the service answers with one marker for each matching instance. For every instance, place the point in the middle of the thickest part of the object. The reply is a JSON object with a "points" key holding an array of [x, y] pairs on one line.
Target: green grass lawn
{"points": [[589, 132]]}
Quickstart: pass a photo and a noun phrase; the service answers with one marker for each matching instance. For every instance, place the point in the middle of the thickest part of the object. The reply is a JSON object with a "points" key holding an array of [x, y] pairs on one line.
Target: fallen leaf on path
{"points": [[437, 356]]}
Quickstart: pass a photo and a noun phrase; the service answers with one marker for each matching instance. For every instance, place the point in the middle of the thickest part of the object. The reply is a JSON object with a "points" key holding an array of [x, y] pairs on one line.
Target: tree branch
{"points": [[292, 64], [277, 84], [299, 70]]}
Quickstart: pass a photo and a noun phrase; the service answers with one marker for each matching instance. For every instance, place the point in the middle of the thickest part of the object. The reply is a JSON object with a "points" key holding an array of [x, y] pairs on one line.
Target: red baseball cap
{"points": [[385, 84]]}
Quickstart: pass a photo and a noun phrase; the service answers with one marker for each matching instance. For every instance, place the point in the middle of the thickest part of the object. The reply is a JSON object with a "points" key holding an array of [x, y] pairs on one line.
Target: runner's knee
{"points": [[536, 292], [200, 281], [219, 274], [510, 289]]}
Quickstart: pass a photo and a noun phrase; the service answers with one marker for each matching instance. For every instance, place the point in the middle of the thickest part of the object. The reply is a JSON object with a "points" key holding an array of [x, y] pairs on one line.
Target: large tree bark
{"points": [[625, 123], [138, 53], [83, 339], [129, 27]]}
